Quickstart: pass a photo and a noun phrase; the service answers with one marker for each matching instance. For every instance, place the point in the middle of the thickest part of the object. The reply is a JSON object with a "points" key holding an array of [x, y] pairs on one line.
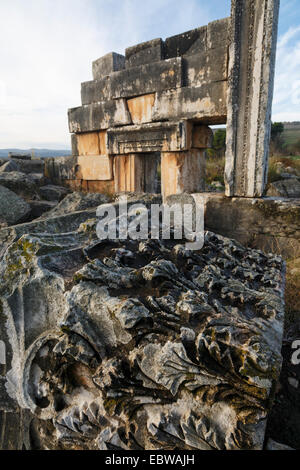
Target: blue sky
{"points": [[47, 47]]}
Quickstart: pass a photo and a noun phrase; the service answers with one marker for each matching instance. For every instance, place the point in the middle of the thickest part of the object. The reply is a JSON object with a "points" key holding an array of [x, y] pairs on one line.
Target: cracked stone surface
{"points": [[139, 344]]}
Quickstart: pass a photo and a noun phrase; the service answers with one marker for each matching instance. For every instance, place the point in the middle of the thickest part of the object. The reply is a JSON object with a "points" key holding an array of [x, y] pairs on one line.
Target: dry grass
{"points": [[277, 165]]}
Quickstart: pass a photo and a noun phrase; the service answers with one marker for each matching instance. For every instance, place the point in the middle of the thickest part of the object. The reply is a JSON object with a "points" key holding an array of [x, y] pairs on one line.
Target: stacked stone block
{"points": [[156, 101]]}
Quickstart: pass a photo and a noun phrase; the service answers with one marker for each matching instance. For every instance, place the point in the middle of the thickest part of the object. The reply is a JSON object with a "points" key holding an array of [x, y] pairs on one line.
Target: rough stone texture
{"points": [[91, 143], [205, 67], [77, 202], [29, 166], [135, 81], [273, 445], [9, 166], [269, 224], [251, 75], [186, 43], [13, 209], [39, 208], [139, 345], [144, 53], [52, 192], [182, 172], [98, 116], [154, 137], [206, 103], [21, 183], [285, 188], [107, 64]]}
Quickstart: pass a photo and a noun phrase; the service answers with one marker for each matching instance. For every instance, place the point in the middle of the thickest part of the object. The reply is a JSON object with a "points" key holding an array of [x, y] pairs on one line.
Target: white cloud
{"points": [[287, 83], [47, 47]]}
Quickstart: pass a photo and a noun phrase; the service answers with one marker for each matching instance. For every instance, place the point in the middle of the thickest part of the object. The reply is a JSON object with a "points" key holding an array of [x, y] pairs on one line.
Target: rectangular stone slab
{"points": [[94, 167], [156, 137], [205, 67], [141, 107], [205, 103], [89, 143], [144, 53], [107, 64], [185, 43], [98, 116], [149, 78]]}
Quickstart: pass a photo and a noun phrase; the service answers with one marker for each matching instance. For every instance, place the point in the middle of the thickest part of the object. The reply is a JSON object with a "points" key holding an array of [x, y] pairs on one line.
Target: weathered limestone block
{"points": [[140, 80], [141, 108], [136, 173], [154, 137], [206, 67], [13, 208], [218, 33], [90, 143], [180, 350], [252, 53], [94, 167], [60, 168], [268, 224], [107, 64], [182, 172], [186, 43], [144, 53], [285, 188], [205, 103], [98, 116]]}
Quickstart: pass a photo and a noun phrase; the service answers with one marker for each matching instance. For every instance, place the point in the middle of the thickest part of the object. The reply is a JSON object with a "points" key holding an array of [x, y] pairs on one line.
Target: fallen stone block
{"points": [[19, 156], [13, 209], [183, 348], [98, 116], [153, 137], [39, 208], [30, 166], [206, 67], [140, 80], [289, 188], [9, 166], [53, 193], [20, 183], [107, 64], [144, 53]]}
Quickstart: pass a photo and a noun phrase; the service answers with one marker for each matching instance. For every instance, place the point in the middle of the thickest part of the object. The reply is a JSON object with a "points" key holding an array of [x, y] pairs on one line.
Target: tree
{"points": [[276, 145], [219, 143]]}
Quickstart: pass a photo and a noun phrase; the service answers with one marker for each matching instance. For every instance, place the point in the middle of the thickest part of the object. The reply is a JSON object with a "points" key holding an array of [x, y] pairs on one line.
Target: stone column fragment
{"points": [[252, 51]]}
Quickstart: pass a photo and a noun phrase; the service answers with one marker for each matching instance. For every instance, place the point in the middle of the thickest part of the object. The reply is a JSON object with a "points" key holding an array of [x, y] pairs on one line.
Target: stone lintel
{"points": [[154, 137], [252, 53], [107, 64]]}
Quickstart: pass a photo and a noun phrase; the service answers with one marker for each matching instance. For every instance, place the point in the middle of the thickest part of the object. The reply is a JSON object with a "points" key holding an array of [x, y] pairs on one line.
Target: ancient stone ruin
{"points": [[130, 345], [154, 106]]}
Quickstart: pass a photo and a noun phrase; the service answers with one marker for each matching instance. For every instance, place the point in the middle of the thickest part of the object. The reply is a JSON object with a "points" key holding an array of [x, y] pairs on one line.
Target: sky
{"points": [[47, 49]]}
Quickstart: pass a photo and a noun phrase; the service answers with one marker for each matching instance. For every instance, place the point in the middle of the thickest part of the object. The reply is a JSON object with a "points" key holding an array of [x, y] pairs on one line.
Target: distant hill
{"points": [[43, 153]]}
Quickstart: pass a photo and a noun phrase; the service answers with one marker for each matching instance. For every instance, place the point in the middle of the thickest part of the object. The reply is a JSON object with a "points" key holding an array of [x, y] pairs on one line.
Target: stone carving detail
{"points": [[140, 344]]}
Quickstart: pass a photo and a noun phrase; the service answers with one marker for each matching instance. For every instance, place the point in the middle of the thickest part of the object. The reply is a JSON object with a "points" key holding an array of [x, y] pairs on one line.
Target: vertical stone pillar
{"points": [[252, 51], [182, 172]]}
